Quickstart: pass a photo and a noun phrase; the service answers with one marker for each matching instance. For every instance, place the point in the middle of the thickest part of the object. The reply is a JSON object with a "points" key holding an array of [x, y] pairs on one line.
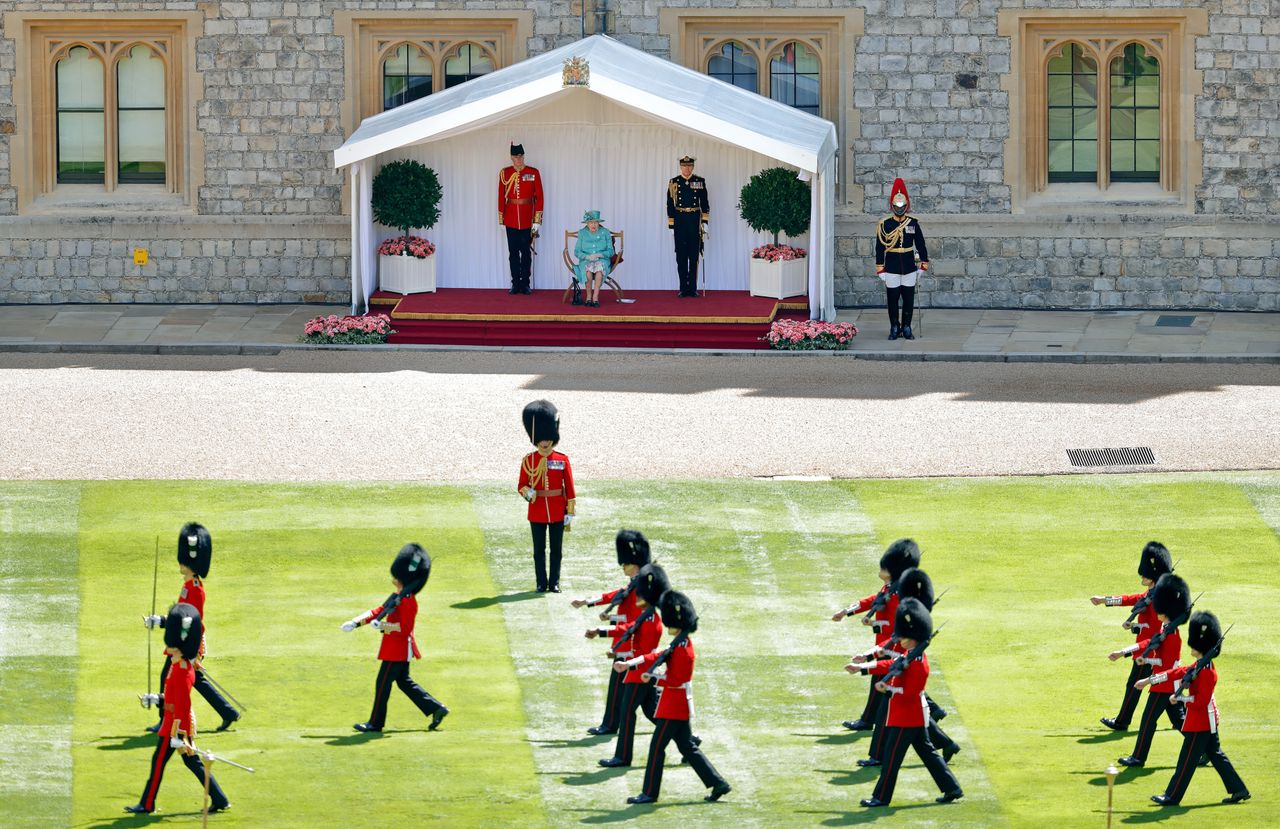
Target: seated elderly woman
{"points": [[593, 252]]}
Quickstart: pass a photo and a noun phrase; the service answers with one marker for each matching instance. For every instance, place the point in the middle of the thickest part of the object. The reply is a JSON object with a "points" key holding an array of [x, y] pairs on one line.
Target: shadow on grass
{"points": [[127, 820], [1127, 774], [851, 777], [355, 739], [127, 742], [869, 815], [1159, 813], [840, 738], [636, 811], [489, 601], [589, 778], [1094, 738], [579, 743]]}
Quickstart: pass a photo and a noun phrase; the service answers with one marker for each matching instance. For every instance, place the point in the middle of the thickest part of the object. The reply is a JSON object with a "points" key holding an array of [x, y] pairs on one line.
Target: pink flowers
{"points": [[374, 328], [414, 246], [810, 335], [778, 253]]}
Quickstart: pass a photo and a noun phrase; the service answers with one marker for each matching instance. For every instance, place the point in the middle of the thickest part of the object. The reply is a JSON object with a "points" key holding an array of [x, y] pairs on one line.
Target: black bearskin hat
{"points": [[517, 149], [412, 567], [1171, 597], [1155, 562], [912, 621], [651, 583], [901, 555], [633, 547], [195, 548], [542, 422], [1203, 631], [678, 612], [183, 630], [915, 583]]}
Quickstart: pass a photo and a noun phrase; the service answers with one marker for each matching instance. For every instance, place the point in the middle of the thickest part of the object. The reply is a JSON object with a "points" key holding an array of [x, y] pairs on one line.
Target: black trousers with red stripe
{"points": [[397, 673], [880, 711], [610, 720], [869, 710], [896, 742], [1157, 704], [1196, 744], [217, 799], [540, 533], [664, 732], [1130, 702], [633, 695]]}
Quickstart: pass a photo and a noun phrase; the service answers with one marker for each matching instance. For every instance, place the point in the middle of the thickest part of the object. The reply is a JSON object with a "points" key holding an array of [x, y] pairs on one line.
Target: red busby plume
{"points": [[899, 186]]}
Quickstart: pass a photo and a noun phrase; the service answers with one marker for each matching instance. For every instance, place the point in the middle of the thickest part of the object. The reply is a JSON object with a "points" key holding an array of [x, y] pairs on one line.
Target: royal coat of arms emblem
{"points": [[577, 72]]}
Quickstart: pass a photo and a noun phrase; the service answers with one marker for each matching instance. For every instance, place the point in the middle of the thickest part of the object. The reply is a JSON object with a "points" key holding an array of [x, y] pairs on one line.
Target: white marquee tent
{"points": [[609, 146]]}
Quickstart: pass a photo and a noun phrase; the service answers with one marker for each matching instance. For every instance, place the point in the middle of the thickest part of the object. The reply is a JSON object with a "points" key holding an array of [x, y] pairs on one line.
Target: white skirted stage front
{"points": [[610, 145]]}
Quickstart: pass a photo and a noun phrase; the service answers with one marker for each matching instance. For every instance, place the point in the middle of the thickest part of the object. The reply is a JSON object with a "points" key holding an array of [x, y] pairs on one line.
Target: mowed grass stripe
{"points": [[290, 564], [1025, 653], [38, 614]]}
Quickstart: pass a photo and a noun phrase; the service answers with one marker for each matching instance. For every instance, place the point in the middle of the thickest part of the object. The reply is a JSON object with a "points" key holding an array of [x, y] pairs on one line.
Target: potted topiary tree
{"points": [[776, 201], [406, 195]]}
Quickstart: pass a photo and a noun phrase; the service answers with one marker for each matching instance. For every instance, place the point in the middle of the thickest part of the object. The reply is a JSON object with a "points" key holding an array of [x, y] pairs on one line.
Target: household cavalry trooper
{"points": [[898, 239], [520, 213], [195, 556], [546, 482], [688, 212], [633, 553]]}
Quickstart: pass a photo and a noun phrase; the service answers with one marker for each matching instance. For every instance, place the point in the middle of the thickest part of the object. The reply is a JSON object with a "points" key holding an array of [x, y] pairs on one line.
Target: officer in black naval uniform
{"points": [[688, 212]]}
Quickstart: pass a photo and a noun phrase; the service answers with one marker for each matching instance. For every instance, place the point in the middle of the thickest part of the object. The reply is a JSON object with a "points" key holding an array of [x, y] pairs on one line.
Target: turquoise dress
{"points": [[600, 242]]}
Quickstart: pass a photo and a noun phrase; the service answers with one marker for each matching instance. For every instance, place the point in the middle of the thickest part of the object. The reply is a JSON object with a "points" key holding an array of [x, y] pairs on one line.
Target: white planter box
{"points": [[407, 274], [779, 279]]}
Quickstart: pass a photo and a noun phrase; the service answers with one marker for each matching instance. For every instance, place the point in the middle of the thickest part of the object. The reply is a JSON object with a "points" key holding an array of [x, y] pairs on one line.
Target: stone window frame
{"points": [[697, 34], [370, 36], [1037, 34], [41, 38]]}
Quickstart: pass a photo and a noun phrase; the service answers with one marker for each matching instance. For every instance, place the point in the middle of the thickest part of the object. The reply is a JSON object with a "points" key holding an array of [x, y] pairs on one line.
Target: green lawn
{"points": [[1021, 664]]}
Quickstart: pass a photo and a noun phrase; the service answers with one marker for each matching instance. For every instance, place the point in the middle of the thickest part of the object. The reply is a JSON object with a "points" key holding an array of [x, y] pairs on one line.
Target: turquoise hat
{"points": [[591, 216]]}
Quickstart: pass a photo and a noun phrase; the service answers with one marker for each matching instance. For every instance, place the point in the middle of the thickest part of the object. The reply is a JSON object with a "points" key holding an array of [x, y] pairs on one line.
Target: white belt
{"points": [[627, 654]]}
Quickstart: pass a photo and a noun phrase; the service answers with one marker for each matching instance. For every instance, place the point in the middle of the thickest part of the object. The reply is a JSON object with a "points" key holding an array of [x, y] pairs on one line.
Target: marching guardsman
{"points": [[633, 554], [195, 556], [395, 619], [903, 679], [1195, 684], [675, 705], [546, 482], [898, 240], [1142, 621], [688, 212], [915, 583], [1171, 599], [520, 212], [182, 636], [642, 636]]}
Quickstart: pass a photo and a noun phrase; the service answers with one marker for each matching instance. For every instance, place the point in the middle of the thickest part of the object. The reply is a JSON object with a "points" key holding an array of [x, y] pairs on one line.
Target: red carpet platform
{"points": [[656, 319]]}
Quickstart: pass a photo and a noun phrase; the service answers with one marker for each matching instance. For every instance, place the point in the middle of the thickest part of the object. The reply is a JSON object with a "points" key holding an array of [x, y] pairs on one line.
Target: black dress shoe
{"points": [[1163, 800], [948, 797], [152, 729], [868, 762], [906, 333], [1113, 725], [894, 331], [555, 588], [1130, 761], [872, 802], [949, 752], [642, 798], [937, 711], [437, 718], [600, 730], [527, 290], [542, 588], [613, 762], [1203, 761], [366, 728], [513, 290], [718, 792], [227, 721], [224, 807], [137, 810], [1237, 797], [696, 740], [858, 725]]}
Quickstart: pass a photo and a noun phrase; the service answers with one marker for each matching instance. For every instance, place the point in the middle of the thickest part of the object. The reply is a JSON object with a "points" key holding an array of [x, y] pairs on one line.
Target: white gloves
{"points": [[535, 227], [149, 700], [176, 742], [376, 624], [351, 625], [568, 519], [528, 494], [152, 621], [706, 234]]}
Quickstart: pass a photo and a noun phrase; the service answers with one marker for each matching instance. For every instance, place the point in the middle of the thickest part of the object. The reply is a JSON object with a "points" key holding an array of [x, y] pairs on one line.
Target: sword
{"points": [[702, 257], [222, 690], [155, 576]]}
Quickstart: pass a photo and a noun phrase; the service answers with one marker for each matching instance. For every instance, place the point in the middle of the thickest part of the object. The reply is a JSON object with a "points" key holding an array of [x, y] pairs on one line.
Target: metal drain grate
{"points": [[1175, 320], [1135, 456]]}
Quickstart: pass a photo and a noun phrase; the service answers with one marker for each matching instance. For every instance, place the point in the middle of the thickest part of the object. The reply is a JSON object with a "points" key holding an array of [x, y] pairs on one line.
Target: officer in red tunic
{"points": [[395, 619], [633, 554], [195, 556], [546, 482], [182, 636], [899, 238], [1154, 563], [520, 212], [1200, 724]]}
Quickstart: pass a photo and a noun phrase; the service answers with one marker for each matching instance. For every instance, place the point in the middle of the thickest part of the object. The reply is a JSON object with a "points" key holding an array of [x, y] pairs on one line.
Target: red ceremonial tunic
{"points": [[519, 197], [399, 645], [676, 702], [883, 626], [177, 699], [626, 611], [193, 594], [1165, 659], [643, 640], [554, 488], [1201, 707], [1148, 623], [907, 705]]}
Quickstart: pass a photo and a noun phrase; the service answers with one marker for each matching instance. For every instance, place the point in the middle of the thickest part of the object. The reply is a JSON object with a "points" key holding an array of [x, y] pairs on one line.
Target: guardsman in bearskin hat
{"points": [[1171, 599], [903, 679], [688, 212], [183, 633], [637, 691], [898, 240], [633, 554], [1154, 563], [915, 583], [546, 482], [195, 556], [1195, 684], [395, 619], [675, 705], [520, 214]]}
